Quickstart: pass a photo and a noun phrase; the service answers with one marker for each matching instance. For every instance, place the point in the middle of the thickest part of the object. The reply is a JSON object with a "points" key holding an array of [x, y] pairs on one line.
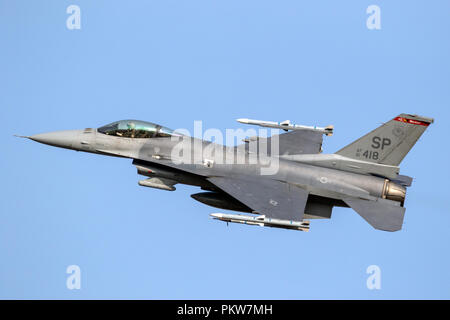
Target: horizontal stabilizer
{"points": [[381, 214]]}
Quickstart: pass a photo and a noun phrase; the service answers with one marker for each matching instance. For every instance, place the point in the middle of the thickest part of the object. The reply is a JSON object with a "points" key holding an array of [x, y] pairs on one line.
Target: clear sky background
{"points": [[173, 62]]}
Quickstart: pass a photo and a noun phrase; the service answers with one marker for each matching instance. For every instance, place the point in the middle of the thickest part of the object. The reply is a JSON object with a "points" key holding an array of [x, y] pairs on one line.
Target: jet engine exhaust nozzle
{"points": [[394, 191]]}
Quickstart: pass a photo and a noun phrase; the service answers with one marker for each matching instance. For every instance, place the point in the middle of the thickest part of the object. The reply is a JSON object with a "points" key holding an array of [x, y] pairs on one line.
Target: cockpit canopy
{"points": [[135, 129]]}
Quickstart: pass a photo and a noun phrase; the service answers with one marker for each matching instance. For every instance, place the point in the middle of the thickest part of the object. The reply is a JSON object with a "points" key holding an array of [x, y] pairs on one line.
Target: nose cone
{"points": [[61, 139]]}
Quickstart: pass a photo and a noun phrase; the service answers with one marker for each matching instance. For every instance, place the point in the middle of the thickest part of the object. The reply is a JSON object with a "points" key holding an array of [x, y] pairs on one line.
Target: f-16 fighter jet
{"points": [[283, 180]]}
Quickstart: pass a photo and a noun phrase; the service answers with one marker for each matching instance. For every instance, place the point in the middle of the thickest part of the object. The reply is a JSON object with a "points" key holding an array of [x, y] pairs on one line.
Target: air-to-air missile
{"points": [[287, 125], [262, 221]]}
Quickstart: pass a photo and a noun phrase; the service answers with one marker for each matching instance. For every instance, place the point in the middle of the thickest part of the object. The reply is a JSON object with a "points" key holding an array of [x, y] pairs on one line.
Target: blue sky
{"points": [[173, 62]]}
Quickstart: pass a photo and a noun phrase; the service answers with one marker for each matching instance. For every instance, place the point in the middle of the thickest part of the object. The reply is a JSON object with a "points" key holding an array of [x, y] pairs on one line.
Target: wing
{"points": [[290, 143], [272, 198]]}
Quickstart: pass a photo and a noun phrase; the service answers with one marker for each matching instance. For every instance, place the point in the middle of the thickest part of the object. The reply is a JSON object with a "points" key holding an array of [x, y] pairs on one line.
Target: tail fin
{"points": [[389, 143]]}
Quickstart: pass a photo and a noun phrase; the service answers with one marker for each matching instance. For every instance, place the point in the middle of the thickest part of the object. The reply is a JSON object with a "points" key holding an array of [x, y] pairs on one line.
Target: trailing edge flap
{"points": [[290, 143], [274, 199], [381, 214]]}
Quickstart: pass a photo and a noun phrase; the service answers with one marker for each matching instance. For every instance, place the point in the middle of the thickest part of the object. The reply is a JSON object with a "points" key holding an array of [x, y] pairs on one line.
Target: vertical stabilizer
{"points": [[389, 143]]}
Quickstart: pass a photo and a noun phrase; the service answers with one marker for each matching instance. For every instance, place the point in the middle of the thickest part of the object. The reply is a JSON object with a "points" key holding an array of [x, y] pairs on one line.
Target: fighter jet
{"points": [[281, 181]]}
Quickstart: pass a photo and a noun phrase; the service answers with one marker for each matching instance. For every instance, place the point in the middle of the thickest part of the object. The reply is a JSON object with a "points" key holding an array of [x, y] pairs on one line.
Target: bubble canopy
{"points": [[135, 129]]}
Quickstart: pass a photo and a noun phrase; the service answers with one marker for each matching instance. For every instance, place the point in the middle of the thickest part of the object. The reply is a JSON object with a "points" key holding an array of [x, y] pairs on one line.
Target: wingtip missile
{"points": [[242, 120], [287, 125]]}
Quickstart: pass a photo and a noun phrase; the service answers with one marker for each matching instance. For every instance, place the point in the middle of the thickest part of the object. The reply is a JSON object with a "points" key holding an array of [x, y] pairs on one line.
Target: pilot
{"points": [[131, 126]]}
